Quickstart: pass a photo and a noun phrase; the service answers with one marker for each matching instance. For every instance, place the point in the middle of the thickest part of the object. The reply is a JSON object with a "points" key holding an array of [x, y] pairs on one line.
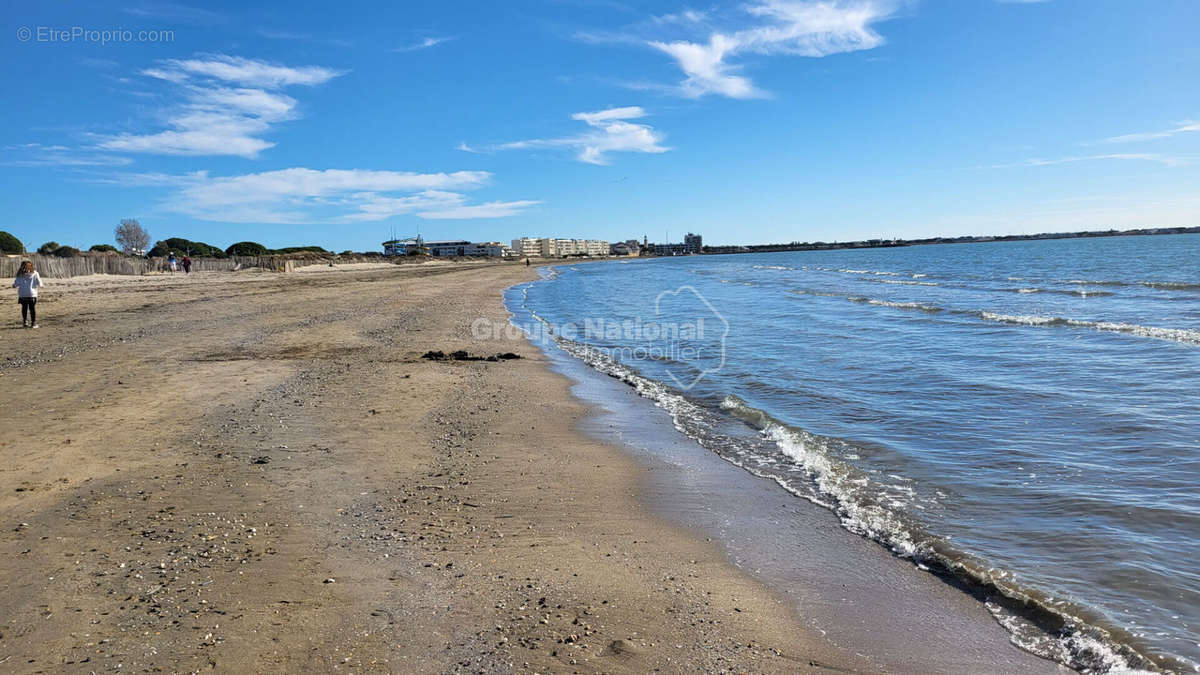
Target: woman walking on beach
{"points": [[27, 283]]}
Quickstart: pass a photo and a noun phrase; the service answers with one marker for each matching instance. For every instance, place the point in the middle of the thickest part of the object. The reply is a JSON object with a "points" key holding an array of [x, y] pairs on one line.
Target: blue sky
{"points": [[765, 120]]}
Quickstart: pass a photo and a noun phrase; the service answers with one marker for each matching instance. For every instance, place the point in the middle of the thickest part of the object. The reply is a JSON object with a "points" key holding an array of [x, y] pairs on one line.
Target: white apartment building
{"points": [[552, 247], [526, 247], [595, 247], [494, 249]]}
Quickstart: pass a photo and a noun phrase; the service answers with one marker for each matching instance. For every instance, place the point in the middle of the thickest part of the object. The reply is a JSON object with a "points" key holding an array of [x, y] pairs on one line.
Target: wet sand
{"points": [[252, 472], [851, 590]]}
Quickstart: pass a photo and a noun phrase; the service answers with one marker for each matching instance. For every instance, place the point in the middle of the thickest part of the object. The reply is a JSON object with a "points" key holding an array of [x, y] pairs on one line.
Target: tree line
{"points": [[133, 239]]}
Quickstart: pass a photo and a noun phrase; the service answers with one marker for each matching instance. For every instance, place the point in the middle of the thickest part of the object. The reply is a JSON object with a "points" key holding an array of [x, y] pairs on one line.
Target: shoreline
{"points": [[796, 549], [266, 475]]}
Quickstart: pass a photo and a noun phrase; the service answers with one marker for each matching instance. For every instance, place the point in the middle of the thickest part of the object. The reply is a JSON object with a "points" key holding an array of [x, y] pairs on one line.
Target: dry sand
{"points": [[249, 472]]}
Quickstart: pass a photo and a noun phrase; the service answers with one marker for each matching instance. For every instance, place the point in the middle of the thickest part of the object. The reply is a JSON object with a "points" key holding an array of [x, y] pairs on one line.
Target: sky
{"points": [[342, 124]]}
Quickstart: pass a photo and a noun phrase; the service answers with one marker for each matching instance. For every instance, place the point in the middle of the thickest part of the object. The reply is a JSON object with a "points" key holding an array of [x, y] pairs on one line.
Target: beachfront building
{"points": [[550, 247], [554, 247], [461, 247], [669, 249], [493, 249], [692, 244], [526, 247], [629, 247], [448, 248], [409, 246]]}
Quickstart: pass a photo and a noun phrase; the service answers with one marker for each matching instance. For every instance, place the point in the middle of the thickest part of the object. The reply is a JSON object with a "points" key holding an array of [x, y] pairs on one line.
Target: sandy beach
{"points": [[253, 472]]}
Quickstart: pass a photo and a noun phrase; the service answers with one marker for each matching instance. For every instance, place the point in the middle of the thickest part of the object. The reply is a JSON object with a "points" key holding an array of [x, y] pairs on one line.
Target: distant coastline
{"points": [[890, 243]]}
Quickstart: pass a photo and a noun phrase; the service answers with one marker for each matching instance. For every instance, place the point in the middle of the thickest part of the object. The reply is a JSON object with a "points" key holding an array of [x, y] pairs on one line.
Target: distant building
{"points": [[442, 249], [629, 247], [549, 247], [409, 246], [447, 248], [493, 249], [595, 248], [526, 247], [461, 248], [692, 244], [670, 249], [553, 247]]}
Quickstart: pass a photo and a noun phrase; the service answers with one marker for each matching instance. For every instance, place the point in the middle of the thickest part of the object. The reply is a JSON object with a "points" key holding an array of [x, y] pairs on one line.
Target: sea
{"points": [[1021, 418]]}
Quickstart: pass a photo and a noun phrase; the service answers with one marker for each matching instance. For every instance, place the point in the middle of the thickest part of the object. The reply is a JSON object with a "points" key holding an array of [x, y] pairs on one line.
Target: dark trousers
{"points": [[28, 309]]}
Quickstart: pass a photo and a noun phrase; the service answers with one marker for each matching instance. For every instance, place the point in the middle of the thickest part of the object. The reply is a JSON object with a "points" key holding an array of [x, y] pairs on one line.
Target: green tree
{"points": [[300, 249], [247, 248], [10, 244], [48, 247], [181, 247], [103, 248], [66, 252]]}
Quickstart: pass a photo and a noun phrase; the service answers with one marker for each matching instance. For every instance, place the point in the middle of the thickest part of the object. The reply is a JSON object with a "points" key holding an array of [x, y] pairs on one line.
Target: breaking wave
{"points": [[1173, 334], [897, 305], [1050, 628]]}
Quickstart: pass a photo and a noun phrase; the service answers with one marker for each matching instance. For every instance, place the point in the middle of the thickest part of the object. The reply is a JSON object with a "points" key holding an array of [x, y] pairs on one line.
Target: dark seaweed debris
{"points": [[461, 355]]}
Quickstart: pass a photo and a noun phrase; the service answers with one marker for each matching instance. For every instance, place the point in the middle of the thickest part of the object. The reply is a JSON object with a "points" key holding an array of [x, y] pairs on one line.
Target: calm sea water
{"points": [[1023, 417]]}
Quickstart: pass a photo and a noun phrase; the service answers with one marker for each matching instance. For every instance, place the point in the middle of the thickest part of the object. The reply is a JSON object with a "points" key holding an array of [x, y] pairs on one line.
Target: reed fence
{"points": [[53, 267]]}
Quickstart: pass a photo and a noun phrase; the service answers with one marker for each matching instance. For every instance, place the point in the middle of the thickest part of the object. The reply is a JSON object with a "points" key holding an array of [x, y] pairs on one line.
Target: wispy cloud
{"points": [[685, 17], [1181, 128], [243, 71], [92, 62], [331, 196], [768, 28], [610, 131], [424, 43], [1136, 156], [36, 154], [464, 211], [170, 11], [228, 104], [274, 34]]}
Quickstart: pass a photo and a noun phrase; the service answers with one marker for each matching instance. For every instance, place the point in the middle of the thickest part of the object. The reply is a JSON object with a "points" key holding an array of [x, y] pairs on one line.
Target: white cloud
{"points": [[684, 17], [175, 12], [92, 62], [600, 117], [485, 210], [780, 27], [36, 154], [229, 103], [273, 34], [425, 43], [1138, 156], [706, 70], [247, 72], [1181, 128], [610, 132], [301, 195]]}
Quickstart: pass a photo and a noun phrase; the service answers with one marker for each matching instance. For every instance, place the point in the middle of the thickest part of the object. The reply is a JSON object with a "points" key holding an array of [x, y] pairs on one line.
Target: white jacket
{"points": [[27, 285]]}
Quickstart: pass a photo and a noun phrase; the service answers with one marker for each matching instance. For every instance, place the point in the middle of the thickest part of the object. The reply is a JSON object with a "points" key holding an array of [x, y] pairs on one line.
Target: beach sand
{"points": [[251, 472]]}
